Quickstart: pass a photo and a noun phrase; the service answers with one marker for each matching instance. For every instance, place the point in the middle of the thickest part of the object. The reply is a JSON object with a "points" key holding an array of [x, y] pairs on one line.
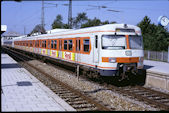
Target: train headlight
{"points": [[128, 53], [112, 60]]}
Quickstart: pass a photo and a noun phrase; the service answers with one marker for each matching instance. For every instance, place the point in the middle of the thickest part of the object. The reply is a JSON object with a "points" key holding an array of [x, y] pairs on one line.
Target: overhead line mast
{"points": [[70, 14], [42, 17]]}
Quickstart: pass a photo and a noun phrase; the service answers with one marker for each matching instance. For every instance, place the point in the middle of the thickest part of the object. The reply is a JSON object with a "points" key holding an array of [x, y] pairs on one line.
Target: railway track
{"points": [[151, 97], [75, 98]]}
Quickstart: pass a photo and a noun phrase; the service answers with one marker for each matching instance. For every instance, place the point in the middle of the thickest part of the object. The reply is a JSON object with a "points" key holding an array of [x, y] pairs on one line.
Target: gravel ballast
{"points": [[101, 93]]}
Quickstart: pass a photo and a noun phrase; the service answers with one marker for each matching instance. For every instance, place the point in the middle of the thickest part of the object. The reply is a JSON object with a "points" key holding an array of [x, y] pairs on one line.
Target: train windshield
{"points": [[135, 42], [114, 42]]}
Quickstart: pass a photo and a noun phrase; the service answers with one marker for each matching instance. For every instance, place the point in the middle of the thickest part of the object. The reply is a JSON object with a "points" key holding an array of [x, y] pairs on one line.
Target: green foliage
{"points": [[57, 22], [38, 28], [89, 23], [81, 21], [154, 37], [95, 22]]}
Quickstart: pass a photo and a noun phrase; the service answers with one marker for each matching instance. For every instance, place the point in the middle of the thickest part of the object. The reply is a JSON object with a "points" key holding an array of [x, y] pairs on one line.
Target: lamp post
{"points": [[164, 21]]}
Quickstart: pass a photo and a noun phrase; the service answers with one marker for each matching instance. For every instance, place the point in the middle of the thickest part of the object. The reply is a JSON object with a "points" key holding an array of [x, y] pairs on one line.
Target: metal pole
{"points": [[168, 53], [70, 14], [42, 18], [78, 72], [24, 30], [148, 55]]}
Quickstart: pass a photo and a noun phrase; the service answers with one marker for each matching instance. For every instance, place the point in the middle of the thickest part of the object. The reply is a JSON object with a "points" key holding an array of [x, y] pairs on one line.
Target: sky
{"points": [[25, 15]]}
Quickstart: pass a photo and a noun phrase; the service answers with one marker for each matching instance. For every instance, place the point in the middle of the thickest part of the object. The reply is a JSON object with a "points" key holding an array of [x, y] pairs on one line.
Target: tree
{"points": [[95, 22], [57, 22], [154, 37], [38, 28], [90, 23], [79, 20]]}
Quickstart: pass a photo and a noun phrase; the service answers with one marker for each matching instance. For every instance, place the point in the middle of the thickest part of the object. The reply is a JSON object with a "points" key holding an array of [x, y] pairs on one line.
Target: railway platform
{"points": [[157, 74], [21, 91]]}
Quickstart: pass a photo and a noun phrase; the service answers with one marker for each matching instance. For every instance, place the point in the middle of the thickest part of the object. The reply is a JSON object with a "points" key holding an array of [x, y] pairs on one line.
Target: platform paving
{"points": [[157, 74], [157, 66], [21, 91]]}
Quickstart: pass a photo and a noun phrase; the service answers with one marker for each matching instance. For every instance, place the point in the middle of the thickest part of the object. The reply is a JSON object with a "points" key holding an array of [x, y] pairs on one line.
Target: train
{"points": [[111, 50]]}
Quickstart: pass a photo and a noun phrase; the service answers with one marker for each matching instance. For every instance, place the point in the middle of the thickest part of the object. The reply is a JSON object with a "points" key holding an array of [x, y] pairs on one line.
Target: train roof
{"points": [[88, 30]]}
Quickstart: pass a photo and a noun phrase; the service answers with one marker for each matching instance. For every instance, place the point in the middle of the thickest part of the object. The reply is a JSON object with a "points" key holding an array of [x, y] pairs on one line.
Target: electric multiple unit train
{"points": [[110, 49]]}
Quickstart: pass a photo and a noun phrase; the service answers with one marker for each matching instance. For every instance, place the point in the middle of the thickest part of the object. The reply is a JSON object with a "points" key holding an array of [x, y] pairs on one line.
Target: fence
{"points": [[156, 55]]}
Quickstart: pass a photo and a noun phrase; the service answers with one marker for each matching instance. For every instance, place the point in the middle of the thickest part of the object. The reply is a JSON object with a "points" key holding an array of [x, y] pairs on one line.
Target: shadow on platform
{"points": [[147, 67], [6, 66]]}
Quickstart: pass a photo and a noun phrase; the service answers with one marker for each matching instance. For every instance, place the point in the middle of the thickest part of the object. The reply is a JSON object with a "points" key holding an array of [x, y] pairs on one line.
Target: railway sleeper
{"points": [[72, 97], [79, 102], [76, 106]]}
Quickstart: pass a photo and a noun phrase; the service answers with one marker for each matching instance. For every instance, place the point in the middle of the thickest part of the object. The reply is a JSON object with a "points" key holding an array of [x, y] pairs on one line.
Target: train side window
{"points": [[45, 44], [77, 45], [86, 45], [48, 44], [65, 44], [42, 43], [60, 44], [55, 44], [33, 43], [51, 44], [70, 45], [38, 43], [96, 40], [30, 43]]}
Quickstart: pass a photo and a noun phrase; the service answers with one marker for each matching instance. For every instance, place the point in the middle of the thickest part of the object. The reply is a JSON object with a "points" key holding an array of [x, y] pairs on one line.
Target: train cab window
{"points": [[55, 44], [86, 45], [65, 44], [113, 42], [70, 45], [135, 42], [51, 44]]}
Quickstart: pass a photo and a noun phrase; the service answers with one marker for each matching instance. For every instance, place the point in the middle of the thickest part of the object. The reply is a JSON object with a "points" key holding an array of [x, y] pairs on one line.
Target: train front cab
{"points": [[120, 54]]}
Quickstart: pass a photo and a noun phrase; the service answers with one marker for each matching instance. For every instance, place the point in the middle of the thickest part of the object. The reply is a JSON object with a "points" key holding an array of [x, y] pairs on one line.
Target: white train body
{"points": [[105, 48]]}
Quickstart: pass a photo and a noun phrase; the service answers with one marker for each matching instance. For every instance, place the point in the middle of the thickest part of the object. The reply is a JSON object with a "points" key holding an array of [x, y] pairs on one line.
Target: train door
{"points": [[48, 47], [78, 49], [60, 49], [95, 49]]}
